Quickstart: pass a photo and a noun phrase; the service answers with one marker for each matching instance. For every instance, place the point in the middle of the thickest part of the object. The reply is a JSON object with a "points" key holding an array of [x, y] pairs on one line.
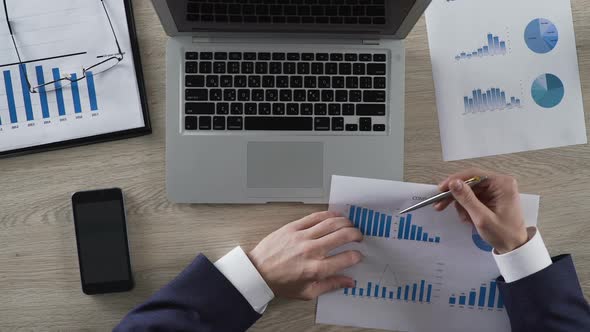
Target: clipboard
{"points": [[141, 130]]}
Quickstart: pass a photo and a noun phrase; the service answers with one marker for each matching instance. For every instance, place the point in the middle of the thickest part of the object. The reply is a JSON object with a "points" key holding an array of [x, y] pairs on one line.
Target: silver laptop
{"points": [[267, 99]]}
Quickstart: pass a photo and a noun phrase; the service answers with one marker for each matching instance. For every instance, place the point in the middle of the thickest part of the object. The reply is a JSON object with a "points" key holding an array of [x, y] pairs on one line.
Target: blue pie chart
{"points": [[479, 242], [541, 36], [547, 90]]}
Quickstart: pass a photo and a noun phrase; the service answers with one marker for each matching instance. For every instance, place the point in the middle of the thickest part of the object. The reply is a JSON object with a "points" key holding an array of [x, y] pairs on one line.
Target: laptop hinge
{"points": [[276, 39]]}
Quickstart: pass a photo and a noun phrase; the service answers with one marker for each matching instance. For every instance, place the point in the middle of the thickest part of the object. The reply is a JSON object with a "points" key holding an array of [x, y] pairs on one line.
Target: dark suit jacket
{"points": [[202, 299], [199, 299], [549, 300]]}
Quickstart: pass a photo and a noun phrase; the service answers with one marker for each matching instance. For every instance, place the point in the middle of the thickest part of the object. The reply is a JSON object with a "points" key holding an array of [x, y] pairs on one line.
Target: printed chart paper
{"points": [[58, 38], [506, 76], [423, 271]]}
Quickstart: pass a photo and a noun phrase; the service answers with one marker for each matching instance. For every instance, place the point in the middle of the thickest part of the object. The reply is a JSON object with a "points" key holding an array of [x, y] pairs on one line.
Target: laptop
{"points": [[267, 99]]}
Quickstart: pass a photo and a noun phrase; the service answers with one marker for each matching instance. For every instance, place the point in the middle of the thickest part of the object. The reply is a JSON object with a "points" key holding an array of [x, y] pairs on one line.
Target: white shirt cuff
{"points": [[522, 262], [239, 270]]}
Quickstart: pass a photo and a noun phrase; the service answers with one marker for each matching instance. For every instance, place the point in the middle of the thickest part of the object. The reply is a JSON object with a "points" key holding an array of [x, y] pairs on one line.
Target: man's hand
{"points": [[294, 260], [493, 206]]}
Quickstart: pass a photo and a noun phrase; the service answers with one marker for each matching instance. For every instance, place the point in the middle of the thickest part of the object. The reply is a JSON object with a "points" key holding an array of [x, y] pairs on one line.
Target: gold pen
{"points": [[439, 197]]}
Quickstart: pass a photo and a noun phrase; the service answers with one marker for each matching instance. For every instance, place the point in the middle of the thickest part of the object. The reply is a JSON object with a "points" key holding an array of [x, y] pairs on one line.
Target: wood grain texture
{"points": [[39, 279]]}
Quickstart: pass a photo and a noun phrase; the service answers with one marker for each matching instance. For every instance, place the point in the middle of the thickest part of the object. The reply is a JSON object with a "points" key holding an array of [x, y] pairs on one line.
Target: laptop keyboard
{"points": [[287, 11], [277, 91]]}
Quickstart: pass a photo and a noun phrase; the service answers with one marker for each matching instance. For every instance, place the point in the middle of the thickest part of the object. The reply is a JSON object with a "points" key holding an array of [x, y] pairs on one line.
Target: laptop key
{"points": [[191, 123], [358, 69], [286, 95], [293, 56], [352, 127], [334, 109], [244, 95], [354, 96], [192, 56], [320, 109], [250, 109], [289, 68], [370, 109], [366, 83], [378, 127], [278, 109], [306, 109], [338, 124], [380, 83], [264, 109], [206, 56], [257, 95], [212, 81], [272, 95], [235, 56], [226, 81], [222, 108], [205, 123], [215, 94], [220, 56], [376, 69], [229, 94], [307, 56], [249, 56], [268, 81], [374, 96], [321, 124], [191, 67], [296, 81], [282, 81], [196, 94], [235, 123], [348, 109], [365, 124], [205, 67], [379, 57], [341, 95], [237, 108], [324, 82], [219, 67], [218, 123], [366, 57], [292, 109], [194, 81], [240, 81], [279, 123]]}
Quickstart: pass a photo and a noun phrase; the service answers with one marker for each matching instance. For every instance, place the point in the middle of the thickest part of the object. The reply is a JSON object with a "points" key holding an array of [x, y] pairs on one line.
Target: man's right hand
{"points": [[493, 206], [294, 260]]}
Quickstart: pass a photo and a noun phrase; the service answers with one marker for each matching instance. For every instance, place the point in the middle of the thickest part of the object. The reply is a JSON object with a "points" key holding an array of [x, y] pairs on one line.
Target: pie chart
{"points": [[547, 90], [541, 36], [479, 242]]}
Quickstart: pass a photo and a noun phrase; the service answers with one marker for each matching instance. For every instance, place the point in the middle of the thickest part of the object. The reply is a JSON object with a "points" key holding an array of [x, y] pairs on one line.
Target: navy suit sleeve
{"points": [[199, 299], [549, 300]]}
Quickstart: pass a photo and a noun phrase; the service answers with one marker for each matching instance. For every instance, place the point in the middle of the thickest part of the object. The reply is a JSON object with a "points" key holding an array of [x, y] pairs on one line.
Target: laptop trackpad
{"points": [[285, 165]]}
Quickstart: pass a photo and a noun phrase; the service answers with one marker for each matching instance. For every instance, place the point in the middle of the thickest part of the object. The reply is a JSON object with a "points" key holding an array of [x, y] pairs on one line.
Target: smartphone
{"points": [[101, 237]]}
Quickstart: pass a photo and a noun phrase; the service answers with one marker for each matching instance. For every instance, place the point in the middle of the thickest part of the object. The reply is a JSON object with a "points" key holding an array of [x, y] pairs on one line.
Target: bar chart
{"points": [[417, 292], [486, 297], [492, 99], [379, 224], [494, 47], [56, 100]]}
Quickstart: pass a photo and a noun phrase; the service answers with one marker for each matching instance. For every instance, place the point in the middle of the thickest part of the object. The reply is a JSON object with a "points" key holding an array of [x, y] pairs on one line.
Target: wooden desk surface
{"points": [[39, 279]]}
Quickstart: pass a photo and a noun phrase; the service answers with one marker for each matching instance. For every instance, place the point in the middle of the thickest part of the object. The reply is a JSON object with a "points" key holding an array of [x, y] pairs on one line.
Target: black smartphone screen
{"points": [[101, 235]]}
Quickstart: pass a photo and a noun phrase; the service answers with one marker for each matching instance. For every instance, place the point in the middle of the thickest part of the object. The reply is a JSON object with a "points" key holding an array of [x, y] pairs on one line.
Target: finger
{"points": [[334, 264], [440, 206], [327, 285], [328, 226], [466, 197], [463, 215], [313, 219], [339, 238], [464, 175]]}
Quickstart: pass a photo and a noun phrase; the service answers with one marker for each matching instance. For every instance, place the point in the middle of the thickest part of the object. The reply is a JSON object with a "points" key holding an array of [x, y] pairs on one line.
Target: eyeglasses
{"points": [[105, 64]]}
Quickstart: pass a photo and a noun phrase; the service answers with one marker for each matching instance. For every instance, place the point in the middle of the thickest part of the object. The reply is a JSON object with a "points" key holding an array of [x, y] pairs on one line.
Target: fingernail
{"points": [[437, 206], [456, 185]]}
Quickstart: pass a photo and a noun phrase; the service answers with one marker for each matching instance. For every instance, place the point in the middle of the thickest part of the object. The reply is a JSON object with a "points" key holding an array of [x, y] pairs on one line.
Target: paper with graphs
{"points": [[506, 76], [423, 271]]}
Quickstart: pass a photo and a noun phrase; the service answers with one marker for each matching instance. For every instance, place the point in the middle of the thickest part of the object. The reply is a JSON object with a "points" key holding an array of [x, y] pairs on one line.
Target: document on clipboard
{"points": [[70, 74]]}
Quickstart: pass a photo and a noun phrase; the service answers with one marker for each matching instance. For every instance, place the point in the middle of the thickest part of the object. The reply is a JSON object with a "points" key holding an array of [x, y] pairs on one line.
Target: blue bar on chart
{"points": [[495, 46], [42, 93], [415, 292], [59, 94], [408, 231], [472, 296], [91, 91], [10, 97], [76, 94], [370, 222], [26, 92], [493, 99], [485, 298]]}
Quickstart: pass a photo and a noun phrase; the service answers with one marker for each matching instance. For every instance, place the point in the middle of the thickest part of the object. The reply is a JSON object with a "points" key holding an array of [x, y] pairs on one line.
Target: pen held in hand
{"points": [[441, 196]]}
